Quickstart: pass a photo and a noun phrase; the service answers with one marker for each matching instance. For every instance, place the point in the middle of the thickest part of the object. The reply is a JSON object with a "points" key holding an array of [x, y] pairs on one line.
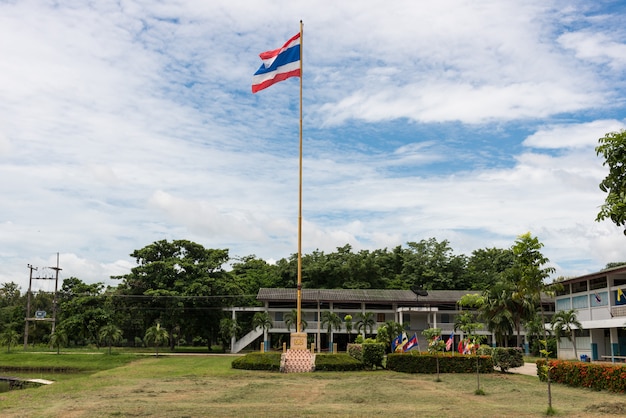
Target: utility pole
{"points": [[54, 299], [30, 284], [40, 316]]}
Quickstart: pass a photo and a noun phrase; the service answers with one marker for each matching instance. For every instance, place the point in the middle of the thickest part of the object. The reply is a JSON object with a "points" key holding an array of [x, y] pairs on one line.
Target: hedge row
{"points": [[588, 375], [412, 362], [258, 361], [337, 363]]}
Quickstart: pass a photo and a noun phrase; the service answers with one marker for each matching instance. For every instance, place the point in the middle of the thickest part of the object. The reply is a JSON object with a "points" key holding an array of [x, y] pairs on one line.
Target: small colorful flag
{"points": [[412, 344], [450, 341], [278, 65], [598, 298], [396, 343], [620, 294]]}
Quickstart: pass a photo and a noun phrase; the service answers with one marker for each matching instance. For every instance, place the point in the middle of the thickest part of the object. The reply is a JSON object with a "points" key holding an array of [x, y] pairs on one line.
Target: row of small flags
{"points": [[403, 344]]}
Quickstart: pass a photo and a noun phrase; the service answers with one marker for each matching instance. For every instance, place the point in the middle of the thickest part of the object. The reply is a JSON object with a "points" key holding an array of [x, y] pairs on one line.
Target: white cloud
{"points": [[122, 124]]}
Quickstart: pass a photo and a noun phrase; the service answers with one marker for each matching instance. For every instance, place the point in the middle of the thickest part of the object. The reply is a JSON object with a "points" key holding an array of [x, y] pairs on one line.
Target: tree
{"points": [[435, 344], [228, 329], [388, 332], [349, 325], [564, 324], [156, 335], [331, 321], [366, 321], [110, 334], [9, 337], [467, 323], [82, 310], [429, 264], [178, 284], [262, 320], [528, 267], [613, 148], [58, 339], [292, 317]]}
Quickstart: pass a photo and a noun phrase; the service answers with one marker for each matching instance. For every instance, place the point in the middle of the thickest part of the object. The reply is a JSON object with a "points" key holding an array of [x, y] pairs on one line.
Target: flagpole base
{"points": [[298, 341]]}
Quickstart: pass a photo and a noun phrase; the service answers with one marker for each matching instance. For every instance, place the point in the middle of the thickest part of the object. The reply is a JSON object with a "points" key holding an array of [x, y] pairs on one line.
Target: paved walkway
{"points": [[529, 369]]}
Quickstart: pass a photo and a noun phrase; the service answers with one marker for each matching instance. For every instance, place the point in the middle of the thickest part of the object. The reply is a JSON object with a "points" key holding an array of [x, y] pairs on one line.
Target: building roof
{"points": [[620, 270], [434, 297], [362, 295]]}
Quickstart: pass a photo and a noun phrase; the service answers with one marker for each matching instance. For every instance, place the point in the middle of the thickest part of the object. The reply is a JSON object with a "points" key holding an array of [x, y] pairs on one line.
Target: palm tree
{"points": [[157, 336], [392, 330], [9, 337], [497, 312], [262, 320], [331, 321], [110, 334], [366, 321], [563, 323], [349, 325], [228, 329], [292, 317], [58, 339]]}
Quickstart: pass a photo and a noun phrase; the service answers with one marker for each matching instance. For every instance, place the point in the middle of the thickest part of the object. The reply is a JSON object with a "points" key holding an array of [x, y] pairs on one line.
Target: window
{"points": [[579, 287], [564, 291], [579, 302], [380, 317], [597, 283], [563, 304], [445, 318], [278, 316]]}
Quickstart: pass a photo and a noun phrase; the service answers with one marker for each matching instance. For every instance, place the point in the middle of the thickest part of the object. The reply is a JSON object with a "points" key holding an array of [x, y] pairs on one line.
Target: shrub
{"points": [[337, 363], [356, 351], [258, 361], [589, 375], [412, 362], [373, 354], [507, 358]]}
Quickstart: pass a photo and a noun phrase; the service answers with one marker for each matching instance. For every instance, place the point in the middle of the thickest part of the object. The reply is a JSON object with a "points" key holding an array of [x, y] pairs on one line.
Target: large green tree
{"points": [[82, 310], [612, 147], [181, 285]]}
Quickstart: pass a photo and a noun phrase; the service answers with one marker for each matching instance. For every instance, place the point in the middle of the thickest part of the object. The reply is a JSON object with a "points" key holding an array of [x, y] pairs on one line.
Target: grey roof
{"points": [[338, 295], [362, 295], [367, 295]]}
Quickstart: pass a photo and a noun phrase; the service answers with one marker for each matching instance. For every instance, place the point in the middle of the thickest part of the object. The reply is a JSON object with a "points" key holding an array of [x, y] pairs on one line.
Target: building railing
{"points": [[618, 311]]}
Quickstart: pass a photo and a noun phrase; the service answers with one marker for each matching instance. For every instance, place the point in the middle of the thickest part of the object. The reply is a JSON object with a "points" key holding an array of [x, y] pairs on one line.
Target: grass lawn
{"points": [[127, 385]]}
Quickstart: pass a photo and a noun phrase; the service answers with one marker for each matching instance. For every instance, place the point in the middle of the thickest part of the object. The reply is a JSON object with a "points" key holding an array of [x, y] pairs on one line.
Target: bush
{"points": [[336, 363], [356, 351], [507, 358], [588, 375], [373, 354], [258, 361], [413, 362]]}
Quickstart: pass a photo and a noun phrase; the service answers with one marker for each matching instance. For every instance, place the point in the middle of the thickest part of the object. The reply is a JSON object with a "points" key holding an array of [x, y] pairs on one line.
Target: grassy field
{"points": [[127, 385]]}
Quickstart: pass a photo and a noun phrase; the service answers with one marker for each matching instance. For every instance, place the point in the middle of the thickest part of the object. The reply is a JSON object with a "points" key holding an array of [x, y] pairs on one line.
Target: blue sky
{"points": [[123, 123]]}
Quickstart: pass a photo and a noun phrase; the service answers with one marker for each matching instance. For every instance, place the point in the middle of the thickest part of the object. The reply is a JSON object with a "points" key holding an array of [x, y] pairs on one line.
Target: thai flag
{"points": [[278, 65]]}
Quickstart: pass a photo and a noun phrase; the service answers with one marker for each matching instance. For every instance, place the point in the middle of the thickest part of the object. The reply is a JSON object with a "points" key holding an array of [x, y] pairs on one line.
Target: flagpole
{"points": [[299, 301]]}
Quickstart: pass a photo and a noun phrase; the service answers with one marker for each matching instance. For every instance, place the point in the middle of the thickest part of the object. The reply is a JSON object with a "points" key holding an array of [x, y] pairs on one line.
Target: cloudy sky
{"points": [[123, 123]]}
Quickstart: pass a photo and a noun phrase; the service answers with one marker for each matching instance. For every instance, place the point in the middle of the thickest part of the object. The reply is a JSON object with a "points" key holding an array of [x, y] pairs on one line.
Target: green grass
{"points": [[199, 386]]}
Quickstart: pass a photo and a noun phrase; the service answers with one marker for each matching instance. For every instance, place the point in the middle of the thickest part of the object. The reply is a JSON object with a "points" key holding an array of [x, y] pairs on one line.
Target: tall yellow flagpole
{"points": [[299, 301]]}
